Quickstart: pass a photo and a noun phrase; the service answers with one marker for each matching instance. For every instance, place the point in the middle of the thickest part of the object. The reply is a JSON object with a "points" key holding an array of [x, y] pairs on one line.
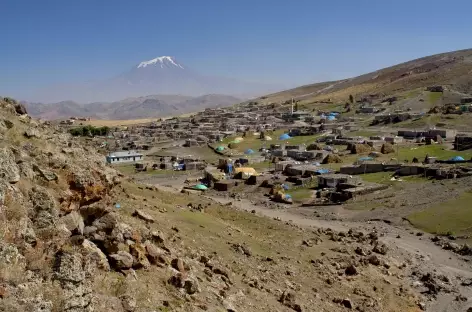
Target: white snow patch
{"points": [[160, 60]]}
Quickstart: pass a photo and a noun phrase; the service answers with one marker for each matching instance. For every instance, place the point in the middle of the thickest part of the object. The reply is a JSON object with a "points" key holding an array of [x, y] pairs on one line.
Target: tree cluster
{"points": [[90, 131]]}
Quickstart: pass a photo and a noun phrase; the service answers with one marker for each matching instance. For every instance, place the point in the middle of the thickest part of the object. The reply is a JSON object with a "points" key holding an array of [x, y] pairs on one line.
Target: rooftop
{"points": [[124, 154]]}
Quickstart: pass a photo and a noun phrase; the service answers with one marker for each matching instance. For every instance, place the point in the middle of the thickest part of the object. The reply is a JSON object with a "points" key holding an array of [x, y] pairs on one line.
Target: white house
{"points": [[124, 157]]}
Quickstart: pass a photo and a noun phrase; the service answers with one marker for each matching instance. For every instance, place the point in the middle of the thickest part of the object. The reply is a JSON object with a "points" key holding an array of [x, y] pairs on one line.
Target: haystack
{"points": [[314, 147], [361, 149], [387, 148], [332, 159]]}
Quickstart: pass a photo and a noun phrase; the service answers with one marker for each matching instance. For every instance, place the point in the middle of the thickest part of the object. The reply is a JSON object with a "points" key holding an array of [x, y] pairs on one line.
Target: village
{"points": [[279, 155]]}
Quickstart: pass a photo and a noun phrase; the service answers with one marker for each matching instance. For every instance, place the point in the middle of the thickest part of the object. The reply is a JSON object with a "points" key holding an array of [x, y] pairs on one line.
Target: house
{"points": [[333, 180], [124, 157]]}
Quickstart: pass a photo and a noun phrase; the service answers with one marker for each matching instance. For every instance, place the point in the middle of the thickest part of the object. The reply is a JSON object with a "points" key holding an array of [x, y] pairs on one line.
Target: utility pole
{"points": [[292, 106]]}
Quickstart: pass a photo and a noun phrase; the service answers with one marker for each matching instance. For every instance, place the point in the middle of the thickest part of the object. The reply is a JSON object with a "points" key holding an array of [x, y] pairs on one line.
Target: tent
{"points": [[200, 187], [220, 148], [331, 118], [238, 139], [268, 138], [322, 171], [284, 136], [245, 172], [366, 158], [457, 158], [249, 151]]}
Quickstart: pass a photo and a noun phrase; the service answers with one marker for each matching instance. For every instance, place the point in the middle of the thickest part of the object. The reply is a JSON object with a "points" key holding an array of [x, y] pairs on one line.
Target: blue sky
{"points": [[49, 42]]}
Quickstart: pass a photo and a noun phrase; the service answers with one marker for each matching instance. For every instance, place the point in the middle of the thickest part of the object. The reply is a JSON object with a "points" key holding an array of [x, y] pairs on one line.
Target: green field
{"points": [[435, 150], [433, 97], [454, 216], [254, 143]]}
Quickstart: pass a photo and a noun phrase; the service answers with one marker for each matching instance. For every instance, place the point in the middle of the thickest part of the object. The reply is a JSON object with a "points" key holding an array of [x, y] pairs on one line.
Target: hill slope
{"points": [[452, 69]]}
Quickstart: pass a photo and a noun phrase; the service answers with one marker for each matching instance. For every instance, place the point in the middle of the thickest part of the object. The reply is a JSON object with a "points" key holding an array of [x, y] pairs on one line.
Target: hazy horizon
{"points": [[51, 43]]}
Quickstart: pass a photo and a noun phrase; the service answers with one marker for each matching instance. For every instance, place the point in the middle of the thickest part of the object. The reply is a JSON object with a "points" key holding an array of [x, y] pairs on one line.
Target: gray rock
{"points": [[106, 222], [8, 168], [143, 216], [68, 267], [128, 303], [32, 133], [46, 174], [122, 260], [73, 222], [96, 255]]}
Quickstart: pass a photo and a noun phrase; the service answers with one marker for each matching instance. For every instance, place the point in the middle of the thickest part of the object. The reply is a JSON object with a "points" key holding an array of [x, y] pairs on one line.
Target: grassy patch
{"points": [[435, 150], [300, 194], [363, 133], [433, 97], [128, 169], [453, 216]]}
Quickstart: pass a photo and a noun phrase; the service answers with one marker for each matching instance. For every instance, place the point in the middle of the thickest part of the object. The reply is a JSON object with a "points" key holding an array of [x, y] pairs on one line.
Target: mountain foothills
{"points": [[162, 75], [131, 108]]}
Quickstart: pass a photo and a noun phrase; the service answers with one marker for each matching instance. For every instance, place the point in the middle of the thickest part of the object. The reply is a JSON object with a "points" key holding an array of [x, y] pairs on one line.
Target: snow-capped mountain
{"points": [[160, 75], [161, 61]]}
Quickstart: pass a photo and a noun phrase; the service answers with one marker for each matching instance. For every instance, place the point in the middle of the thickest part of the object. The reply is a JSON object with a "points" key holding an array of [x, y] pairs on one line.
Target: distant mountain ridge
{"points": [[161, 75], [131, 108]]}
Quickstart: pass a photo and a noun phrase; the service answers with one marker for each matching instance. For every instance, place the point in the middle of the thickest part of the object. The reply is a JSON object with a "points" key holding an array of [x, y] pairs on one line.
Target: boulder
{"points": [[155, 254], [96, 255], [20, 108], [106, 222], [45, 211], [138, 251], [129, 303], [380, 249], [351, 270], [73, 222], [178, 264], [122, 260], [32, 133], [9, 170], [374, 260], [143, 216], [68, 267], [288, 299], [46, 174]]}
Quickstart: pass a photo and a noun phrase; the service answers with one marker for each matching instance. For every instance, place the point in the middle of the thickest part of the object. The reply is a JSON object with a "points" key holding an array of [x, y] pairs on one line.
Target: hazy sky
{"points": [[48, 42]]}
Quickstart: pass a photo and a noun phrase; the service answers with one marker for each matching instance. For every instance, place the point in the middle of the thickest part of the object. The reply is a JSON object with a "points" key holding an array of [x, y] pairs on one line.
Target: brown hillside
{"points": [[452, 70]]}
